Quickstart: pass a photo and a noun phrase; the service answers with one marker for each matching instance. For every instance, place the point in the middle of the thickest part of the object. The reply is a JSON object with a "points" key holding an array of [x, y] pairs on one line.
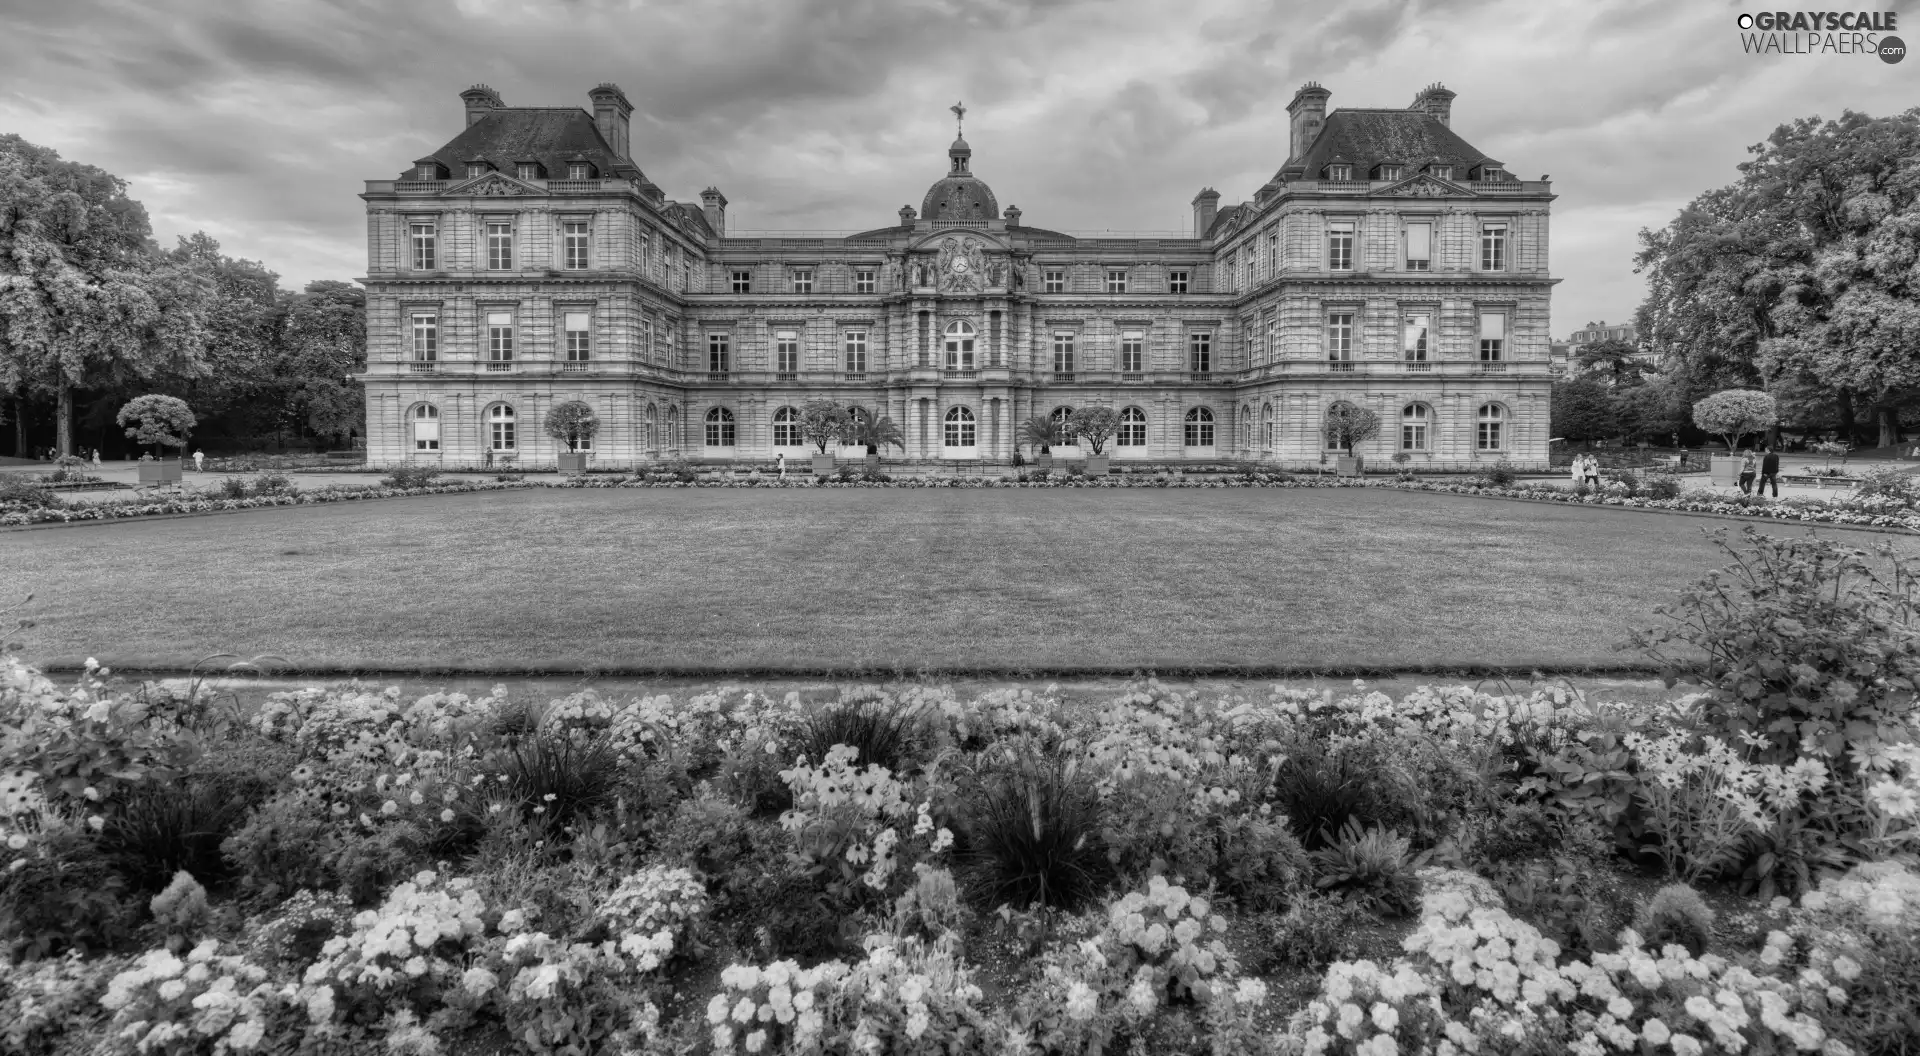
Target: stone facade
{"points": [[529, 262]]}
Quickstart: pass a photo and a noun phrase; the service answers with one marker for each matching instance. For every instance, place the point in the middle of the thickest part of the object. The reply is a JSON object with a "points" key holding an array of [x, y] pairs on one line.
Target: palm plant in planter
{"points": [[1348, 425], [573, 424], [1095, 425], [162, 421], [1043, 432], [874, 432], [822, 424]]}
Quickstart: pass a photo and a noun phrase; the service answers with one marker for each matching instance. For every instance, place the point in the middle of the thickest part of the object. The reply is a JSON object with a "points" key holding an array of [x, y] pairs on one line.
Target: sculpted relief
{"points": [[962, 265]]}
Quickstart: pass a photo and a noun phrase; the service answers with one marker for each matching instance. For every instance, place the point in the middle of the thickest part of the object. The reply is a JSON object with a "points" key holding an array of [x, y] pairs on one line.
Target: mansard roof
{"points": [[1365, 138], [552, 136]]}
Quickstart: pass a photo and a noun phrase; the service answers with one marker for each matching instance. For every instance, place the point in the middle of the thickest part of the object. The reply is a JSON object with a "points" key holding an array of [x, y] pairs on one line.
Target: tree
{"points": [[571, 423], [1584, 409], [874, 431], [1042, 431], [157, 420], [1350, 424], [1095, 425], [823, 423], [324, 344], [1617, 359], [1734, 413]]}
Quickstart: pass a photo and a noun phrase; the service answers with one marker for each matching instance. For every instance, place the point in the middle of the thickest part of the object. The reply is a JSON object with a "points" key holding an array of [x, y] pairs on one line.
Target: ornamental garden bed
{"points": [[902, 869]]}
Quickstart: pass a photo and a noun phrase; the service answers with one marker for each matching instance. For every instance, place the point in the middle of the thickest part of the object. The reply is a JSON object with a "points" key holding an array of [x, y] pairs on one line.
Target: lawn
{"points": [[762, 582]]}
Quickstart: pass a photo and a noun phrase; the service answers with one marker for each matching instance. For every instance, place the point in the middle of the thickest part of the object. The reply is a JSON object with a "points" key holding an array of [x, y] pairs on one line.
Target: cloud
{"points": [[257, 120]]}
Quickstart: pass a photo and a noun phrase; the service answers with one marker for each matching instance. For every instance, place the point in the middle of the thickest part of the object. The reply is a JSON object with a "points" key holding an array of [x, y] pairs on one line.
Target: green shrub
{"points": [[762, 898], [1676, 915], [1316, 930], [1321, 787], [181, 910], [1028, 833], [1369, 868], [52, 1006], [1557, 898], [233, 487], [18, 491], [272, 484], [60, 892], [410, 476], [1663, 486], [1501, 474]]}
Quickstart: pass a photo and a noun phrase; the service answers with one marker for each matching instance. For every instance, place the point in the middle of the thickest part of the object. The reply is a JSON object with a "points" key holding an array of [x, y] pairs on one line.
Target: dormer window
{"points": [[529, 170], [428, 171], [1444, 172], [1339, 172], [579, 170], [1493, 172], [477, 168], [1390, 172]]}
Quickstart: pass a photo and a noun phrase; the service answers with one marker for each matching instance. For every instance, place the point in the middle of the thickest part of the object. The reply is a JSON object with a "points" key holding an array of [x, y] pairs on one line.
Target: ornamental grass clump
{"points": [[1030, 832], [879, 733]]}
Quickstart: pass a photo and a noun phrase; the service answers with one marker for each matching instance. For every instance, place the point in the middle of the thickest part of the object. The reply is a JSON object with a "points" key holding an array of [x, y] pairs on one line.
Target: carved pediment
{"points": [[1421, 186], [495, 185]]}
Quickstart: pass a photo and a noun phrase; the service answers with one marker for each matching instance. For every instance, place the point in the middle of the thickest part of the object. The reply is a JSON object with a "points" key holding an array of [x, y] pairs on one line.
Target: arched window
{"points": [[651, 418], [426, 427], [719, 427], [1062, 418], [960, 430], [1200, 427], [960, 345], [1492, 432], [1414, 421], [1133, 428], [786, 428], [1266, 425], [500, 428]]}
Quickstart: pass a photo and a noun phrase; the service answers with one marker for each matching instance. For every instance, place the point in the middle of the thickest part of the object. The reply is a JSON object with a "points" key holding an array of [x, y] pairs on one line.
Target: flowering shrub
{"points": [[210, 1002], [16, 513], [49, 1004], [657, 900], [850, 820], [86, 746], [1704, 803], [773, 1009]]}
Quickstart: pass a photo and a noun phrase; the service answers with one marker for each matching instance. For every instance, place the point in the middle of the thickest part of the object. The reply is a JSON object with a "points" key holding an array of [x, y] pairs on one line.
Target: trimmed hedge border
{"points": [[108, 511]]}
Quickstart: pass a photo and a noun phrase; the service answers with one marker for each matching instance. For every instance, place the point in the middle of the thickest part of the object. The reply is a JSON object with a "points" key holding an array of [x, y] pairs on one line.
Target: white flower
{"points": [[756, 1041], [917, 1024], [1081, 1002], [1385, 1016], [1655, 1031], [1894, 800], [1846, 968]]}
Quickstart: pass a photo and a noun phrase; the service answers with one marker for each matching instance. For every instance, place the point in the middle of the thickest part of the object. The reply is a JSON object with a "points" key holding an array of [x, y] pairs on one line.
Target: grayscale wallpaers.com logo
{"points": [[1823, 33]]}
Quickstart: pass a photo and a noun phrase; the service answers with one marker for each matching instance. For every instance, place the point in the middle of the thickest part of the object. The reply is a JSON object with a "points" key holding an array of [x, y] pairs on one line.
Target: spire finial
{"points": [[959, 117]]}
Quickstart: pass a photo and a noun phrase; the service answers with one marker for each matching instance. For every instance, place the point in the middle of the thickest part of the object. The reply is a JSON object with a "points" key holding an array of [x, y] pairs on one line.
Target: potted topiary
{"points": [[874, 432], [572, 423], [1347, 425], [1095, 425], [162, 421], [823, 423], [1731, 414], [1043, 431]]}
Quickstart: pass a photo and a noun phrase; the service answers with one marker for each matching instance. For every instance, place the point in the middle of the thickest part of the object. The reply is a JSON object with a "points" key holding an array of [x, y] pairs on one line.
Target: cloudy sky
{"points": [[256, 121]]}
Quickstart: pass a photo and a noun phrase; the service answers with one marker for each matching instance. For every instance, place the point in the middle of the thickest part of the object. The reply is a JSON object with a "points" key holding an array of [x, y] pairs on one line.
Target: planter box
{"points": [[573, 462], [1044, 460], [822, 465], [873, 463], [1346, 466], [166, 471], [1097, 465], [1726, 469]]}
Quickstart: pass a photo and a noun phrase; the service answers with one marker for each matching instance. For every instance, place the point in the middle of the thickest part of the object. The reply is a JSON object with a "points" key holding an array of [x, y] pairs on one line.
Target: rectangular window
{"points": [[1273, 254], [573, 241], [1116, 281], [863, 280], [742, 281], [1200, 353], [1493, 247], [425, 239], [1177, 281], [1062, 353], [1413, 428], [856, 351], [803, 280], [1340, 337], [499, 245], [1418, 327], [1419, 246], [1132, 351], [428, 171], [1249, 258], [1340, 245], [1056, 280], [475, 170], [527, 170], [1273, 338], [1444, 172], [579, 337], [1390, 172], [579, 170], [1493, 337], [717, 353], [426, 433], [426, 337], [646, 339], [1339, 172], [787, 351], [500, 337]]}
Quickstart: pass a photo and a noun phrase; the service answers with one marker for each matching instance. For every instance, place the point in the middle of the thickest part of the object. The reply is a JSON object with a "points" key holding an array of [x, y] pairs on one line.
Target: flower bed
{"points": [[14, 514], [907, 869]]}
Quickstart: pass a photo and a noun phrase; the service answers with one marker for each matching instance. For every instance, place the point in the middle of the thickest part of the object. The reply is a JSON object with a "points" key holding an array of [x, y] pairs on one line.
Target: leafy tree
{"points": [[823, 423], [1349, 424], [324, 343], [1095, 425], [874, 431], [1043, 431], [1656, 411], [571, 423], [1584, 409], [1617, 359], [1734, 413], [157, 420]]}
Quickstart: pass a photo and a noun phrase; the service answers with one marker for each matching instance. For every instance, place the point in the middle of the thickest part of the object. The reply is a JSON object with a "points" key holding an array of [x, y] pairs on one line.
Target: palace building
{"points": [[530, 262]]}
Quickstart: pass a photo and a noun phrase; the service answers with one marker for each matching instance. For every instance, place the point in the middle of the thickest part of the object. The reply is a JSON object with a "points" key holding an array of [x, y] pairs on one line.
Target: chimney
{"points": [[1206, 205], [906, 216], [1012, 215], [481, 101], [1305, 115], [610, 112], [1437, 101], [714, 204]]}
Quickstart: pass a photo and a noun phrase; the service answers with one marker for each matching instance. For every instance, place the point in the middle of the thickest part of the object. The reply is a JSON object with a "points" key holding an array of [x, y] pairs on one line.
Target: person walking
{"points": [[199, 460], [1747, 469], [1593, 472], [1769, 471], [96, 458], [780, 463], [1579, 471]]}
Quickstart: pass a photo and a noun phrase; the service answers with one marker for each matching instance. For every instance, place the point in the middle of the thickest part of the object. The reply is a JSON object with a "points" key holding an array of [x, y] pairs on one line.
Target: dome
{"points": [[959, 196]]}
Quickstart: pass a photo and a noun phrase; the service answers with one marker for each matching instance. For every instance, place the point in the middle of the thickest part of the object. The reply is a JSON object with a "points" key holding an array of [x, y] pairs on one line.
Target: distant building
{"points": [[1600, 331]]}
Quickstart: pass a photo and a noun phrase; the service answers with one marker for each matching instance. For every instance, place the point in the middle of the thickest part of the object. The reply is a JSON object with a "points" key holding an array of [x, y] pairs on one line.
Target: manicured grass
{"points": [[837, 579]]}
